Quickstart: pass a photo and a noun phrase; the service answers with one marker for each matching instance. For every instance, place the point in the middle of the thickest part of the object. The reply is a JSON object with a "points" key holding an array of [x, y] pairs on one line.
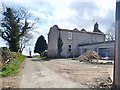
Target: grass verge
{"points": [[38, 56], [12, 67]]}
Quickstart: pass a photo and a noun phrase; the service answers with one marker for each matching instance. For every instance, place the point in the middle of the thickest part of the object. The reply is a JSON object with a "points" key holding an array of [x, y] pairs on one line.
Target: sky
{"points": [[67, 14]]}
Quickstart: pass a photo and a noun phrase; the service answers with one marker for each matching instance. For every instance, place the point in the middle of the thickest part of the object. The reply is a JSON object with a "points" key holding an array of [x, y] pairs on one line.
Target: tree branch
{"points": [[6, 25], [26, 26], [4, 37]]}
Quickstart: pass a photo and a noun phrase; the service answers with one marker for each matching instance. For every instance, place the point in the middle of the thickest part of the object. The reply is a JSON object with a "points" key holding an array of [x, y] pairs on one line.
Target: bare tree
{"points": [[110, 36], [25, 41]]}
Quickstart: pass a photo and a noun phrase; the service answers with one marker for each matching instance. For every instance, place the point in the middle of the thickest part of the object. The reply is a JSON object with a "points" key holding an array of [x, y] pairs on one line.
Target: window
{"points": [[69, 48], [70, 35]]}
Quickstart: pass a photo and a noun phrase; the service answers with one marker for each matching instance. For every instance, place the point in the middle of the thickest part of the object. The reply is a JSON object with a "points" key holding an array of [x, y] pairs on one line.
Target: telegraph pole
{"points": [[117, 46]]}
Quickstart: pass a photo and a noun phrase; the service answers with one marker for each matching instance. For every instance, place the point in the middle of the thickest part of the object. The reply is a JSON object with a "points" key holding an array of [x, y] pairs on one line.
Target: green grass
{"points": [[13, 66], [42, 57]]}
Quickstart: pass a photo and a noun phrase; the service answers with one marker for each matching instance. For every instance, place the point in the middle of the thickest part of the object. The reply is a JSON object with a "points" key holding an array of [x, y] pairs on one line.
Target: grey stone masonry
{"points": [[71, 39]]}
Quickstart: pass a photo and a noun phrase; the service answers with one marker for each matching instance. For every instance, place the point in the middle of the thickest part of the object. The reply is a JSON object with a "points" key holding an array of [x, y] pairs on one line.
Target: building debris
{"points": [[88, 56]]}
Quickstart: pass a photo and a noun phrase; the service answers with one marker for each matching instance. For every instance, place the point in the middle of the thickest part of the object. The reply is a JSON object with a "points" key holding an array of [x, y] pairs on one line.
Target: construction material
{"points": [[89, 55]]}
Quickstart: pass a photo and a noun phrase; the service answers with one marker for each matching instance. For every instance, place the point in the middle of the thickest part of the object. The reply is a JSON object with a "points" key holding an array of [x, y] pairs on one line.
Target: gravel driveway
{"points": [[37, 75]]}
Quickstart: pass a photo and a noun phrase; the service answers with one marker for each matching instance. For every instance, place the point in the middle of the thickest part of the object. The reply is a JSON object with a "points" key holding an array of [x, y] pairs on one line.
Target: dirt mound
{"points": [[88, 56]]}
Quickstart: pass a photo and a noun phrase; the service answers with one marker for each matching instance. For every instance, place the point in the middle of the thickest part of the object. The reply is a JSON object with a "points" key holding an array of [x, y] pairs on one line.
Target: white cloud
{"points": [[62, 17], [104, 7], [38, 14]]}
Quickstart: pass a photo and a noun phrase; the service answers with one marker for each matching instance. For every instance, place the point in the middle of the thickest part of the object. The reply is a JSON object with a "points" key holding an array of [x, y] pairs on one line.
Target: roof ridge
{"points": [[81, 31]]}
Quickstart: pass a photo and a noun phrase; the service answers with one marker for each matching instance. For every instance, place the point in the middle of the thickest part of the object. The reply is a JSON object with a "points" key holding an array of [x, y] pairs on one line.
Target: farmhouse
{"points": [[76, 42]]}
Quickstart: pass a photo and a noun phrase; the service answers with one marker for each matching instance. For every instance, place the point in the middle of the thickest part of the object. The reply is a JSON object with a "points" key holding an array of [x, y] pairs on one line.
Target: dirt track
{"points": [[36, 75], [59, 73]]}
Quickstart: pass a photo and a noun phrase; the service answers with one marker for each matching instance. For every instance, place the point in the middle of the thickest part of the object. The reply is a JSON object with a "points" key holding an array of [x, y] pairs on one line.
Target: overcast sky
{"points": [[68, 14]]}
